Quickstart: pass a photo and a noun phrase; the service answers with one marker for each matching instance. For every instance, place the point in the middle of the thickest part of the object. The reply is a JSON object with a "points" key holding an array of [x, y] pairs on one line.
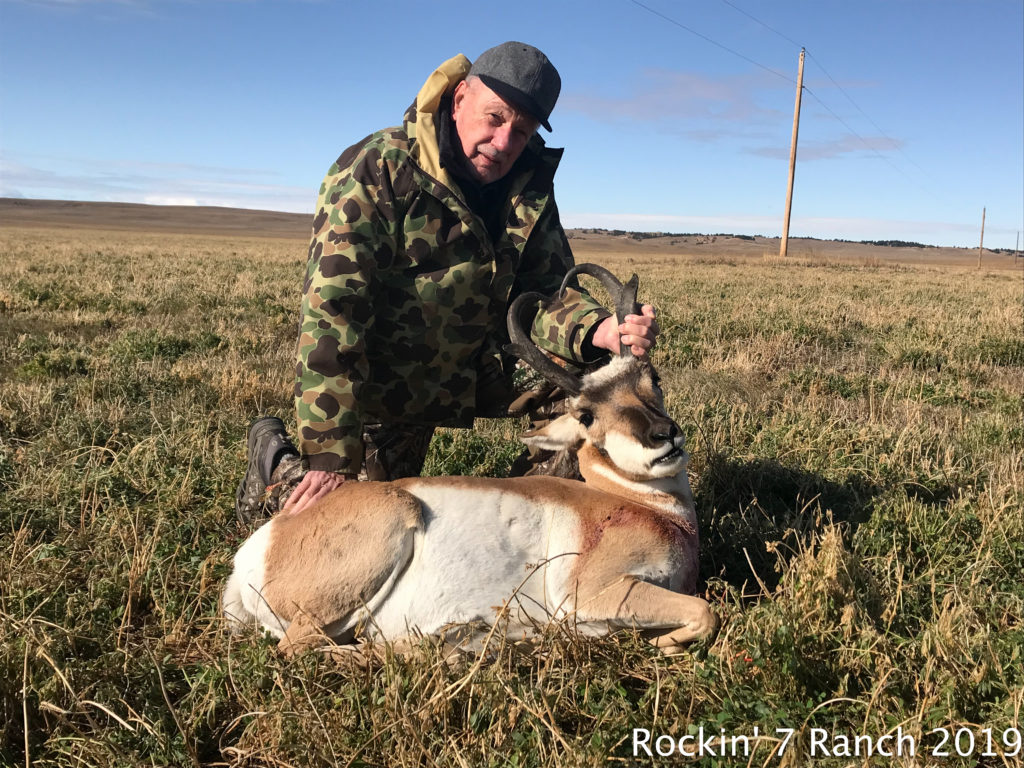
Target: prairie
{"points": [[856, 429]]}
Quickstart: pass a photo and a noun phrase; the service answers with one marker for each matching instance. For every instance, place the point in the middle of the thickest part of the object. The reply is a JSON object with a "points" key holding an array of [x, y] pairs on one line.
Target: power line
{"points": [[842, 90], [788, 79], [770, 29], [862, 140], [865, 114], [692, 31]]}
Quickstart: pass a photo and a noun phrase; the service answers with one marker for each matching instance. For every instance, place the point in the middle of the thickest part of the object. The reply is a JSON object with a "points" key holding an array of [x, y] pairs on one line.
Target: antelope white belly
{"points": [[479, 548]]}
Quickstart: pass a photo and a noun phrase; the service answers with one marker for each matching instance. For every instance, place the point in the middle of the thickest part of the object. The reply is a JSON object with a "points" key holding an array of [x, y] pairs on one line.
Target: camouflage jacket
{"points": [[404, 303]]}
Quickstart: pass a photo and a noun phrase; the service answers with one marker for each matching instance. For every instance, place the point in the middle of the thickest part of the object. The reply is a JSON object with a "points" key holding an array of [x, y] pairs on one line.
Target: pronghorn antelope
{"points": [[419, 555]]}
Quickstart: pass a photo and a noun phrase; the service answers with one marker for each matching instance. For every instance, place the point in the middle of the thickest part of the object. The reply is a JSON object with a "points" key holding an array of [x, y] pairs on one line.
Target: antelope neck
{"points": [[665, 494]]}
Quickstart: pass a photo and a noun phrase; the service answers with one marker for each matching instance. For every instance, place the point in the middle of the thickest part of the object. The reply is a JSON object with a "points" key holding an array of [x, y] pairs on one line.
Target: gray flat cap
{"points": [[521, 75]]}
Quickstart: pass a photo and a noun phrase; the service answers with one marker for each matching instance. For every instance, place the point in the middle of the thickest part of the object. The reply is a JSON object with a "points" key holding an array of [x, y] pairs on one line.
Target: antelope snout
{"points": [[663, 431]]}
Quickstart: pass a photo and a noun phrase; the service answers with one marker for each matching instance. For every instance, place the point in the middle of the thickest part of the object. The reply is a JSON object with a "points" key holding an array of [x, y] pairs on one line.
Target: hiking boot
{"points": [[268, 444], [287, 475]]}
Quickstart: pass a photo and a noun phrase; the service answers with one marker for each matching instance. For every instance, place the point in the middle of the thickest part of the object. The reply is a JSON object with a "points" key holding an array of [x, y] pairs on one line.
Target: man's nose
{"points": [[500, 139]]}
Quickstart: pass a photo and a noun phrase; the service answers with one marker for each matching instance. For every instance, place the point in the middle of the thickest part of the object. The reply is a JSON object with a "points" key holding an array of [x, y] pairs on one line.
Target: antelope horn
{"points": [[624, 296], [524, 348]]}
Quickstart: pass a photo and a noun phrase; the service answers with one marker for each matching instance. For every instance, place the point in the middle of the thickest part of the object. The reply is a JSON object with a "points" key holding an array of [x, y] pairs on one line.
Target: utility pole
{"points": [[792, 156], [981, 245]]}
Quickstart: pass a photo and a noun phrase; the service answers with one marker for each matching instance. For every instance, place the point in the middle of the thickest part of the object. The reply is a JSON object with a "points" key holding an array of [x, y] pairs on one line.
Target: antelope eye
{"points": [[586, 419], [656, 380]]}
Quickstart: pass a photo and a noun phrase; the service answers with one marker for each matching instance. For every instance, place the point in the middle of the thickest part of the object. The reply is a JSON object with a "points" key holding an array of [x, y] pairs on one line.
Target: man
{"points": [[423, 236]]}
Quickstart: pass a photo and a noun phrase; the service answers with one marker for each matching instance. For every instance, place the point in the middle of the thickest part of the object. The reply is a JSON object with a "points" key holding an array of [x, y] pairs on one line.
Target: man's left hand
{"points": [[638, 332]]}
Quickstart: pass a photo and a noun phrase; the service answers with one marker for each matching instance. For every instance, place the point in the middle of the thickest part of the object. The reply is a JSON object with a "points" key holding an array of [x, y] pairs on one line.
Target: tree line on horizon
{"points": [[752, 238]]}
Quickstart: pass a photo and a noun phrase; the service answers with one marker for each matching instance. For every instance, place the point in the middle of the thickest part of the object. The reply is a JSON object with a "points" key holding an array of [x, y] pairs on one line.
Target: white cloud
{"points": [[751, 109], [676, 99], [164, 200], [844, 145], [146, 182]]}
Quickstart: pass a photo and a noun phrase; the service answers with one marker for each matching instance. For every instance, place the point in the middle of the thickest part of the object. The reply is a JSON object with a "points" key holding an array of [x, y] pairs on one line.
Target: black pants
{"points": [[393, 451]]}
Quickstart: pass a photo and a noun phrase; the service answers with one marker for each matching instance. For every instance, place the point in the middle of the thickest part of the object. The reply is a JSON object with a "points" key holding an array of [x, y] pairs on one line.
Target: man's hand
{"points": [[638, 332], [313, 485]]}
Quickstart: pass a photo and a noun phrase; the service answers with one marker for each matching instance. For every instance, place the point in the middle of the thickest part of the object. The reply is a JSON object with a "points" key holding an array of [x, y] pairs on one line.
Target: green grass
{"points": [[857, 460]]}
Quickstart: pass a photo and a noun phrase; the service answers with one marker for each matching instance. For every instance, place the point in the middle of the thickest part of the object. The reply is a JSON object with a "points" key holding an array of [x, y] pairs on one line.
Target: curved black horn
{"points": [[524, 348], [624, 296]]}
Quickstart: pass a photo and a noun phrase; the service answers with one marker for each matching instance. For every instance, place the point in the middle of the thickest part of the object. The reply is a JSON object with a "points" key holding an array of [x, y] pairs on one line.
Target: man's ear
{"points": [[563, 432], [458, 95]]}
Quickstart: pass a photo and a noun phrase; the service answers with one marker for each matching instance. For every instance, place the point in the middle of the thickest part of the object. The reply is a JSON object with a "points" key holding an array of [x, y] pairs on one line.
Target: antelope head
{"points": [[617, 412]]}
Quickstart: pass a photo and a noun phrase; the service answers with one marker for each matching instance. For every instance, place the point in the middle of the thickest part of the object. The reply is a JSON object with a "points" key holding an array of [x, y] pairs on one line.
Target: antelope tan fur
{"points": [[421, 555]]}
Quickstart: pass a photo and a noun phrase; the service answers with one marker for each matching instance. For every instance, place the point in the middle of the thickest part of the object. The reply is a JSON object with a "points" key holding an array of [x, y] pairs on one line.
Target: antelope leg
{"points": [[630, 602]]}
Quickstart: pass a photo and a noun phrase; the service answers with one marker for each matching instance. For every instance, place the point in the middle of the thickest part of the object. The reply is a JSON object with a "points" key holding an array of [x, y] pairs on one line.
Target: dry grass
{"points": [[857, 457]]}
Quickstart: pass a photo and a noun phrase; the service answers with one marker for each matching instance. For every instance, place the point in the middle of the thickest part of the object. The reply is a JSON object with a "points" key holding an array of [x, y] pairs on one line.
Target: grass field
{"points": [[857, 442]]}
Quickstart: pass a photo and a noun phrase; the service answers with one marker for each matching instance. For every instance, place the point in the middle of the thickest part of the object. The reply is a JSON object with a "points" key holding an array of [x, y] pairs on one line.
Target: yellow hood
{"points": [[443, 79]]}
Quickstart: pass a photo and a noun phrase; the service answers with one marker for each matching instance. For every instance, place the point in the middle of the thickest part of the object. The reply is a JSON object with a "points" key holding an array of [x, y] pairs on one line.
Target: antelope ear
{"points": [[563, 432]]}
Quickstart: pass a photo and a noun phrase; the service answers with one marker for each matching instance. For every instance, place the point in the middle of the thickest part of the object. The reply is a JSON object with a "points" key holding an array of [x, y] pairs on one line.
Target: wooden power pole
{"points": [[981, 245], [792, 156]]}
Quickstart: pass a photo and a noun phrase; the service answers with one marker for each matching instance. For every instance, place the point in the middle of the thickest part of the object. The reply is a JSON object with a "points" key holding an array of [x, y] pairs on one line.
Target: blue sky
{"points": [[913, 113]]}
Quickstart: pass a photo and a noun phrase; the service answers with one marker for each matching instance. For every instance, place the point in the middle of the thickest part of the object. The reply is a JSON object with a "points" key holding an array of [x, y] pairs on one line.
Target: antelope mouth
{"points": [[675, 452]]}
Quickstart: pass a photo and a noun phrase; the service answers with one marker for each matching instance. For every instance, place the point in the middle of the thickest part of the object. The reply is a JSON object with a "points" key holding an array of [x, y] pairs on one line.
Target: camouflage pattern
{"points": [[393, 451], [266, 444], [404, 303], [287, 475]]}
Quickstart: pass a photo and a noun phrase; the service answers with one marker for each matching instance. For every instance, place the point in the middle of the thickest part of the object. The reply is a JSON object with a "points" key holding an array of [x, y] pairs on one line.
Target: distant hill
{"points": [[586, 243], [182, 219]]}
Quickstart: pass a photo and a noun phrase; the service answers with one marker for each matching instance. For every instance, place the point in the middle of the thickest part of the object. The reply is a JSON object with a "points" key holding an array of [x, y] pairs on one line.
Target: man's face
{"points": [[492, 132]]}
